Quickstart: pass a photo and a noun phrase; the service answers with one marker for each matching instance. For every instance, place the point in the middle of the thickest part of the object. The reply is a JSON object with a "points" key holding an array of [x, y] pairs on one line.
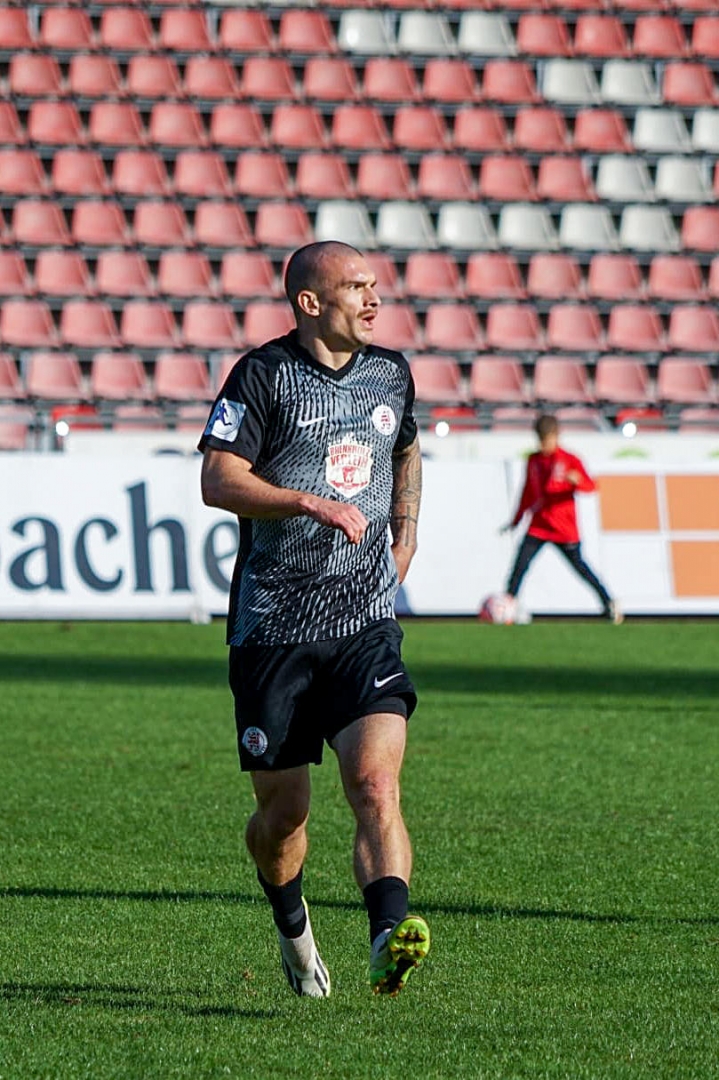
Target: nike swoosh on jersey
{"points": [[312, 420], [381, 682]]}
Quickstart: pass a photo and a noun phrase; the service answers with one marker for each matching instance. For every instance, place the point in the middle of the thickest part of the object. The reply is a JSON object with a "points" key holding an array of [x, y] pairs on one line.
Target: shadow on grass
{"points": [[478, 910], [111, 996]]}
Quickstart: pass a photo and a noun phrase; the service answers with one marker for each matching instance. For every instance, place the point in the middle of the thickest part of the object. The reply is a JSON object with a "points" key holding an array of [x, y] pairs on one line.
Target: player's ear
{"points": [[308, 302]]}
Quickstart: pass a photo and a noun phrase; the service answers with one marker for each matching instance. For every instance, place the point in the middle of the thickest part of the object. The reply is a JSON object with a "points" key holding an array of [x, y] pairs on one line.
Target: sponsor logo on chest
{"points": [[348, 466]]}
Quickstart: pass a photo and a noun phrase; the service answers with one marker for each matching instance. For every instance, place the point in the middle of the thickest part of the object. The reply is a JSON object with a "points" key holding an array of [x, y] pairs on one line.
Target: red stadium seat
{"points": [[282, 225], [699, 420], [222, 224], [138, 418], [65, 29], [239, 126], [513, 326], [184, 31], [12, 132], [62, 273], [267, 78], [688, 84], [574, 328], [359, 127], [88, 324], [243, 31], [33, 75], [635, 328], [246, 274], [14, 29], [554, 277], [14, 279], [559, 379], [161, 224], [21, 173], [117, 376], [601, 131], [184, 273], [600, 36], [265, 320], [444, 177], [510, 82], [262, 176], [11, 385], [329, 78], [684, 380], [432, 274], [383, 176], [694, 329], [153, 77], [497, 379], [123, 273], [580, 418], [705, 36], [622, 380], [543, 35], [211, 78], [541, 130], [506, 178], [658, 36], [139, 173], [493, 276], [94, 76], [54, 123], [115, 123], [147, 325], [78, 172], [54, 377], [26, 323], [321, 176], [99, 224], [297, 127], [614, 277], [564, 179], [451, 327], [437, 379], [174, 123], [389, 78], [419, 127], [182, 377], [700, 228], [713, 283], [480, 129], [449, 81], [303, 31], [675, 277], [396, 327], [512, 419], [126, 29], [200, 175], [210, 326], [38, 224], [384, 268]]}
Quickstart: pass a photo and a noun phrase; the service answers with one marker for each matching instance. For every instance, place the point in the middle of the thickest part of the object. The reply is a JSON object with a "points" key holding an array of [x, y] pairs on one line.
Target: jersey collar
{"points": [[299, 352]]}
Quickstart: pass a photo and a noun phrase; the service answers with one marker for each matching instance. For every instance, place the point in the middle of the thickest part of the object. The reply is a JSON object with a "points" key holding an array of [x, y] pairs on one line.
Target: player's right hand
{"points": [[336, 515]]}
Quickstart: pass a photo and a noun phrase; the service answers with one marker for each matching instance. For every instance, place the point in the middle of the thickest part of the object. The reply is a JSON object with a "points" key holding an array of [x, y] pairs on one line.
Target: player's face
{"points": [[549, 443], [348, 304]]}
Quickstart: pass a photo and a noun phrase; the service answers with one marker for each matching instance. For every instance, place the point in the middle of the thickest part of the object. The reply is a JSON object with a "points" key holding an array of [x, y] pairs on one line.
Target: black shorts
{"points": [[289, 699]]}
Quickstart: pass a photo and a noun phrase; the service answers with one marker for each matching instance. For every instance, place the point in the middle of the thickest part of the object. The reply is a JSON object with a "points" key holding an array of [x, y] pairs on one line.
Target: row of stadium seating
{"points": [[123, 29]]}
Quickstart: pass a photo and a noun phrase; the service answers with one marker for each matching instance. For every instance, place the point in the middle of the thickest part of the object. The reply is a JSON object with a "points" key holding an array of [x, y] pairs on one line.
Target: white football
{"points": [[499, 608]]}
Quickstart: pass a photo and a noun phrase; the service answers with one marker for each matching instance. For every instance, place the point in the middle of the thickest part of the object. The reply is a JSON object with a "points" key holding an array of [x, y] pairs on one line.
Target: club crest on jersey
{"points": [[384, 420], [226, 419], [254, 741], [348, 466]]}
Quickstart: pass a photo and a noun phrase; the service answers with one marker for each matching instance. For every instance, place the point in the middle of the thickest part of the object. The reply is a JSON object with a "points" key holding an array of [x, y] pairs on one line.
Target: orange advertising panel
{"points": [[693, 502], [628, 503], [695, 564]]}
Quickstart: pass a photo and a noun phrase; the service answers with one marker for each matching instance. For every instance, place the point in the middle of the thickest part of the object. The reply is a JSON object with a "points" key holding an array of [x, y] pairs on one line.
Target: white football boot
{"points": [[302, 964]]}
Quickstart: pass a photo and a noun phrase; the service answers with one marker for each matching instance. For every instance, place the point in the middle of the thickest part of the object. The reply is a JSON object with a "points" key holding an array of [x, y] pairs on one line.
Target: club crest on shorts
{"points": [[226, 419], [254, 741], [384, 420], [348, 466]]}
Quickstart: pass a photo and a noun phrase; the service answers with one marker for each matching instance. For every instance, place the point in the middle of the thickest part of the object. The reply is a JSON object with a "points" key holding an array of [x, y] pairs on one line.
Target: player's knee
{"points": [[375, 792]]}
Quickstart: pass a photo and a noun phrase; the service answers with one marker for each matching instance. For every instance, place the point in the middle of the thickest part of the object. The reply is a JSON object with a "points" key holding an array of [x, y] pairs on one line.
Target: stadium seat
{"points": [[265, 320], [685, 380], [450, 327], [21, 173], [540, 130], [561, 380], [449, 82], [509, 82], [301, 31], [687, 84], [574, 328], [432, 275], [624, 178], [614, 277], [622, 380], [481, 130], [628, 82], [425, 33], [647, 228], [190, 417], [570, 82], [262, 175], [11, 385], [600, 36], [161, 224], [138, 418], [297, 127], [33, 75], [682, 180], [526, 227], [238, 126], [493, 276], [699, 420], [384, 268], [397, 327], [97, 223], [78, 172], [115, 123], [118, 376], [330, 78], [38, 224], [601, 131], [497, 379], [465, 226], [61, 273], [245, 31], [12, 133], [713, 283], [65, 30], [443, 177], [580, 418], [15, 425], [564, 179], [587, 228], [365, 32], [659, 37], [505, 177], [54, 123], [402, 224], [139, 173], [322, 176], [660, 131], [200, 175], [15, 30], [181, 377], [210, 326], [705, 37], [184, 31], [126, 29], [554, 277], [153, 77], [419, 128], [540, 34], [26, 323], [54, 377], [282, 225], [437, 379], [175, 123], [635, 328], [485, 33], [344, 220], [513, 327], [184, 273], [267, 78], [88, 324], [14, 278], [123, 273], [359, 127], [700, 228], [211, 78], [246, 274], [147, 325], [675, 277], [222, 225], [510, 418], [693, 328]]}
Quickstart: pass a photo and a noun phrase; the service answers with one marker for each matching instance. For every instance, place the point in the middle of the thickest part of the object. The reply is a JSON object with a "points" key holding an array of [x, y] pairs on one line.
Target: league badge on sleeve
{"points": [[226, 419]]}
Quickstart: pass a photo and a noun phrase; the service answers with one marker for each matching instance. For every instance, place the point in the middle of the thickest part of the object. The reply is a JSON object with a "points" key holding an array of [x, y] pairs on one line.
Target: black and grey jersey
{"points": [[330, 433]]}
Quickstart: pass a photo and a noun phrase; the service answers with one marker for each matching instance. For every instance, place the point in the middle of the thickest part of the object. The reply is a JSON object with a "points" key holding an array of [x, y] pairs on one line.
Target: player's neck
{"points": [[321, 352]]}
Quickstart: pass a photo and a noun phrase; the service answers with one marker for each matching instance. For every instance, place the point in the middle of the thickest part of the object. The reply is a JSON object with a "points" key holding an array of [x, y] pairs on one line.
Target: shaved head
{"points": [[308, 267]]}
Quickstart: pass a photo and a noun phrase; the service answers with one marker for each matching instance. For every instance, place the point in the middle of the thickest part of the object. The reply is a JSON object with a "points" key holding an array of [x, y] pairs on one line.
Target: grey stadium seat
{"points": [[648, 228], [623, 178], [465, 226], [629, 82], [587, 228]]}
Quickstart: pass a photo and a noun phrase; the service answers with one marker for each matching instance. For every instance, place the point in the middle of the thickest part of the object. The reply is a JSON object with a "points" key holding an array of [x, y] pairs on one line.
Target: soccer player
{"points": [[312, 442], [553, 476]]}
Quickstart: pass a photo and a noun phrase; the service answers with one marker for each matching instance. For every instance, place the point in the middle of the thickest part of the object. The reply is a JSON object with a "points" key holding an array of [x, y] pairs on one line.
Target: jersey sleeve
{"points": [[407, 431], [586, 483], [239, 417]]}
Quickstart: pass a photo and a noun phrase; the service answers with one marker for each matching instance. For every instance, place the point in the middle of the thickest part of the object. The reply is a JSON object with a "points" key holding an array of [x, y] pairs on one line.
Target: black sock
{"points": [[387, 900], [288, 910]]}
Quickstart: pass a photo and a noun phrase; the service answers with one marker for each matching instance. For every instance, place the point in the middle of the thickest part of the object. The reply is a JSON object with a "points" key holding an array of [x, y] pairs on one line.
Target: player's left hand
{"points": [[574, 477], [402, 557]]}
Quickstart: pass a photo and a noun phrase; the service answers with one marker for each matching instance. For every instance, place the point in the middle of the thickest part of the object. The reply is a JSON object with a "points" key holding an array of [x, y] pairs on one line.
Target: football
{"points": [[499, 608]]}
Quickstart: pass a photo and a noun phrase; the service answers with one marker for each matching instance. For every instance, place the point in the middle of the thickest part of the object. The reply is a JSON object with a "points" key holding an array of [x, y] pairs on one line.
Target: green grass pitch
{"points": [[561, 791]]}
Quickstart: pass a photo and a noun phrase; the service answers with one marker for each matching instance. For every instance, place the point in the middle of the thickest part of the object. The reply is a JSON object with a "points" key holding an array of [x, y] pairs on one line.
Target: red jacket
{"points": [[549, 496]]}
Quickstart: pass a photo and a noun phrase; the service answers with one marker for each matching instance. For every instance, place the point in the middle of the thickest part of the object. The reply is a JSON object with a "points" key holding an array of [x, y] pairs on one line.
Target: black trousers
{"points": [[531, 546]]}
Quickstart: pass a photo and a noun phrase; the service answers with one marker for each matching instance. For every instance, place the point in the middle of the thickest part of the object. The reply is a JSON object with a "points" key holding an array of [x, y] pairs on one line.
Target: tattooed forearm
{"points": [[406, 495]]}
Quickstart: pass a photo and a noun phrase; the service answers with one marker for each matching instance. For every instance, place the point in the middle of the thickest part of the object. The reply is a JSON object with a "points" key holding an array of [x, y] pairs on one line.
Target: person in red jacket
{"points": [[553, 476]]}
